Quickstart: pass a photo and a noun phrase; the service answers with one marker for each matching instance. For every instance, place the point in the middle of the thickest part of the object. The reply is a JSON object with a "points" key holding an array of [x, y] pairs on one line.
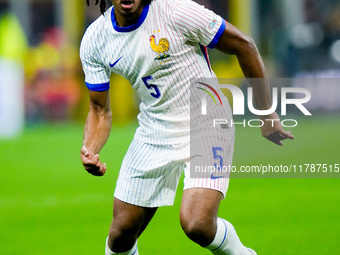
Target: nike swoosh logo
{"points": [[115, 63], [215, 177]]}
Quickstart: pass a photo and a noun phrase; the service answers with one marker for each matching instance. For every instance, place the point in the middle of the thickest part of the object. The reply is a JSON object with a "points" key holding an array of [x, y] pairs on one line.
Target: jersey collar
{"points": [[132, 27]]}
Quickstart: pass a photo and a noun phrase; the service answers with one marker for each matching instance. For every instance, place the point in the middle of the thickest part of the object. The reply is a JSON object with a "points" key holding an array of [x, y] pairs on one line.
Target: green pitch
{"points": [[50, 205]]}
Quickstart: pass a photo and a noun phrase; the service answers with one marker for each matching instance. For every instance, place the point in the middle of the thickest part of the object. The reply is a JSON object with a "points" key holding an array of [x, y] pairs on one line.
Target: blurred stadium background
{"points": [[49, 205]]}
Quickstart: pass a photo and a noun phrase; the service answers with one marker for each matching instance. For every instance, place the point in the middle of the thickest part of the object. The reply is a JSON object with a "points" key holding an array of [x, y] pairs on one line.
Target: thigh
{"points": [[210, 164], [200, 203]]}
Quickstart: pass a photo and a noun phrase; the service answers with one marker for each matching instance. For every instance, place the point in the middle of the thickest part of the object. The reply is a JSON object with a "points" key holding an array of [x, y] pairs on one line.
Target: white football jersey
{"points": [[158, 55]]}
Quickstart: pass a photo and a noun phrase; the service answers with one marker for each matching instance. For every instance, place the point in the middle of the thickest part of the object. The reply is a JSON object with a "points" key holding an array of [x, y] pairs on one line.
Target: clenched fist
{"points": [[92, 163]]}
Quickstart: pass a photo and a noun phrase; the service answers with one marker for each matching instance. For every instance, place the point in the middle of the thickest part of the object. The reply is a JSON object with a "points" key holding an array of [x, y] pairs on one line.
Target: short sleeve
{"points": [[198, 24], [97, 76]]}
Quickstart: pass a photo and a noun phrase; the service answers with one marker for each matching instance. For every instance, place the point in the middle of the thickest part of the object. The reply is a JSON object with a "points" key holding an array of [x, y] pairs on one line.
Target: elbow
{"points": [[104, 116], [247, 46], [251, 45], [249, 41], [103, 112], [108, 116]]}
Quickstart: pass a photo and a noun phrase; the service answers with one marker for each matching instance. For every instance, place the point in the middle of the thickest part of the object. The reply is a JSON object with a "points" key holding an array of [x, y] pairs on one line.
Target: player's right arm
{"points": [[96, 132], [98, 122]]}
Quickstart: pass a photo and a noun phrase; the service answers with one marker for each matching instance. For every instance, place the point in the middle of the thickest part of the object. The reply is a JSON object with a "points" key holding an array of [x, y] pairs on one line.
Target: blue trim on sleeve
{"points": [[218, 35], [132, 27], [98, 87]]}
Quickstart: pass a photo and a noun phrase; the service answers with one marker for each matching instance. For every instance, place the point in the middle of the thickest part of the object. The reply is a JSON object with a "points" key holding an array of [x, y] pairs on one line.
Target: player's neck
{"points": [[125, 20]]}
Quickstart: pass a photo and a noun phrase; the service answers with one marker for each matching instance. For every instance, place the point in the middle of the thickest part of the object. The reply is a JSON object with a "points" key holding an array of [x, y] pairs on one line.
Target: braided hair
{"points": [[103, 4]]}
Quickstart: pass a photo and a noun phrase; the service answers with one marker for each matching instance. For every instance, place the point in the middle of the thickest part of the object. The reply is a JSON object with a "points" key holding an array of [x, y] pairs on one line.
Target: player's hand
{"points": [[92, 163], [273, 131]]}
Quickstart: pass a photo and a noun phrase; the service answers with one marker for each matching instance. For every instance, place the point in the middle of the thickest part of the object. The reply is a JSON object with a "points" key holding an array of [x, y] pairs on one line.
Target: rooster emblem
{"points": [[161, 48]]}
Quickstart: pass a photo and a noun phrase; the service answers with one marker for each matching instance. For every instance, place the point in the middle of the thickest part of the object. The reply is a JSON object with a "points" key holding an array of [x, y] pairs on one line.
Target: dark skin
{"points": [[199, 207], [234, 42], [127, 15], [96, 132]]}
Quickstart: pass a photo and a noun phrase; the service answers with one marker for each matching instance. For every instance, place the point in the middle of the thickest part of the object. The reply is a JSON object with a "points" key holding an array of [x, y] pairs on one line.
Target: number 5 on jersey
{"points": [[147, 81], [219, 166]]}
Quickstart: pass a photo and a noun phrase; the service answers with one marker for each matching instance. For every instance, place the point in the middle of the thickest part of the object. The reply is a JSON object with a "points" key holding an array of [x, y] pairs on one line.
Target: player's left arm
{"points": [[235, 42]]}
